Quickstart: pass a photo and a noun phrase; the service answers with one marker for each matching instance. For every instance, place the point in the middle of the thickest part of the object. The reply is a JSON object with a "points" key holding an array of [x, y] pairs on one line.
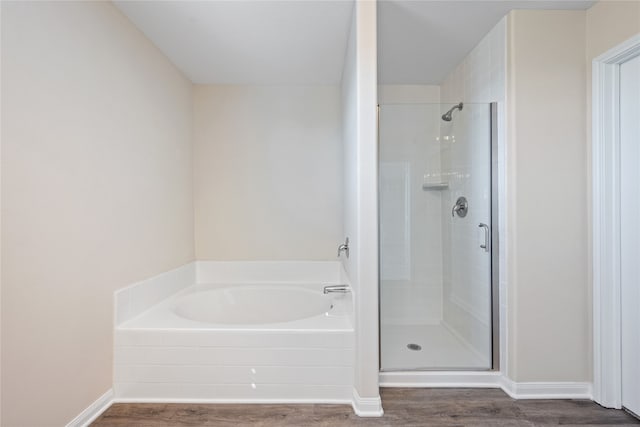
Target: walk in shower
{"points": [[436, 263]]}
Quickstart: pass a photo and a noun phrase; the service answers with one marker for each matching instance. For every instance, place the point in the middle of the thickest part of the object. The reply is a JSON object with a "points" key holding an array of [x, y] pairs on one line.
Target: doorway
{"points": [[616, 230]]}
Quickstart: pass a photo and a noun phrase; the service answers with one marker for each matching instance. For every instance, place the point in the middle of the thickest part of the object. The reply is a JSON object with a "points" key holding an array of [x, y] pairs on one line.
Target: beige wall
{"points": [[271, 190], [549, 332], [609, 23], [549, 175], [96, 194]]}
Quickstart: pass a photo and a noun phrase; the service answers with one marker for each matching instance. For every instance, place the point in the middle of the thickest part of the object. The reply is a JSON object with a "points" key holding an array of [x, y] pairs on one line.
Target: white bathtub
{"points": [[253, 304], [249, 342], [256, 306]]}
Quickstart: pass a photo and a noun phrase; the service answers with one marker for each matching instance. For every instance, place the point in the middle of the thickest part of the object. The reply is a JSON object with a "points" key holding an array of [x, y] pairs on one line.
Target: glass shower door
{"points": [[435, 232]]}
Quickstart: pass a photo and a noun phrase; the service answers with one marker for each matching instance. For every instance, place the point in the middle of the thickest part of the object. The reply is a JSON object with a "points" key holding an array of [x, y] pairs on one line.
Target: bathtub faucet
{"points": [[336, 288]]}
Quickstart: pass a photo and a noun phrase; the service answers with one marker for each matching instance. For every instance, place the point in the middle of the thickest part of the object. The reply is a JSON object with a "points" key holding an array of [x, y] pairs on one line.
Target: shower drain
{"points": [[414, 347]]}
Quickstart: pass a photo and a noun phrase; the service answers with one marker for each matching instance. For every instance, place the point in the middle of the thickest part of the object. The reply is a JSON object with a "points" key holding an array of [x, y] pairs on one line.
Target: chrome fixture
{"points": [[447, 116], [344, 248], [485, 246], [461, 207], [336, 288]]}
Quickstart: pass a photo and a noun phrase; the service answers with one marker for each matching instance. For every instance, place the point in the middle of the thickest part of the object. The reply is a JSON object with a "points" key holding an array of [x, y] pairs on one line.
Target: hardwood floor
{"points": [[403, 407]]}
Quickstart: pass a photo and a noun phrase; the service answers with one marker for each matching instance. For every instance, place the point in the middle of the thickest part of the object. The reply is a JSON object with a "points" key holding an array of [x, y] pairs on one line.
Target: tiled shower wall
{"points": [[480, 78], [410, 244]]}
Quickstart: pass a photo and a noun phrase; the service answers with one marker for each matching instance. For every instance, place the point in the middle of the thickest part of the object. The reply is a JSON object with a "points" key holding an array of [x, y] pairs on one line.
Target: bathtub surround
{"points": [[161, 355], [96, 194], [131, 301]]}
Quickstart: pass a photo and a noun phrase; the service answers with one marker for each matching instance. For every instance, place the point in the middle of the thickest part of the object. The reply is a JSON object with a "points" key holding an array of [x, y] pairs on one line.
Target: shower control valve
{"points": [[461, 207]]}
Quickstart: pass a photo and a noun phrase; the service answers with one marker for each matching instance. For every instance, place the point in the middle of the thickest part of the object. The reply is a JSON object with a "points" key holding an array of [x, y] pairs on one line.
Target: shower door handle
{"points": [[485, 246]]}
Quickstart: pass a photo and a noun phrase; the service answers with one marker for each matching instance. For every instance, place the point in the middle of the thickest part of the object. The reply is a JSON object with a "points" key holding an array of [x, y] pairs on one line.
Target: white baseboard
{"points": [[516, 390], [221, 401], [93, 411], [547, 390], [366, 406]]}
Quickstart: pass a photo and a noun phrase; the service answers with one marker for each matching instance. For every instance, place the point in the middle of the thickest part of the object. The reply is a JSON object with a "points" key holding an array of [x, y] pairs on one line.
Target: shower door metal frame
{"points": [[495, 246], [494, 262]]}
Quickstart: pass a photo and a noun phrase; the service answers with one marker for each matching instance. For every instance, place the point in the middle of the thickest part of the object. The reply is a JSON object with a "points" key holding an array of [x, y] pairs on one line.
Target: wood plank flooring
{"points": [[403, 407]]}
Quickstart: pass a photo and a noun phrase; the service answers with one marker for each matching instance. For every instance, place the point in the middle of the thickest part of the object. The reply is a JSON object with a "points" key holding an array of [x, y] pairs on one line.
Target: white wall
{"points": [[359, 100], [410, 218], [267, 172], [549, 331], [96, 194], [408, 94], [349, 110], [478, 80]]}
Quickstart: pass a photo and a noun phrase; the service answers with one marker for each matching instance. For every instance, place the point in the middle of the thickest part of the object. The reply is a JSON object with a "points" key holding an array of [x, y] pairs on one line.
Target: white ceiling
{"points": [[303, 41], [248, 42]]}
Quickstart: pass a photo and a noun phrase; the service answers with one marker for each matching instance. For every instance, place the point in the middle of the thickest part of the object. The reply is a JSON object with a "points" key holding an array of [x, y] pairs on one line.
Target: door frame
{"points": [[607, 369]]}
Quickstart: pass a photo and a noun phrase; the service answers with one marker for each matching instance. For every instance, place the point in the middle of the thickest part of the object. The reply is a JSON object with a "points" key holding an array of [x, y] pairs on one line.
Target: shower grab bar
{"points": [[485, 246]]}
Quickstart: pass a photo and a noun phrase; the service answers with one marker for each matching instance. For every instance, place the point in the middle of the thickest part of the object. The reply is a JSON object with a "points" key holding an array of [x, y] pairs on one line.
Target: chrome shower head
{"points": [[448, 115]]}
